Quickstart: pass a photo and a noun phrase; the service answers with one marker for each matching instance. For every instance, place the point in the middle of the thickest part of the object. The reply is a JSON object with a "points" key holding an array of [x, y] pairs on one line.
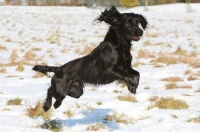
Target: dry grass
{"points": [[64, 50], [3, 70], [153, 98], [185, 86], [147, 88], [153, 35], [3, 47], [187, 72], [8, 40], [189, 21], [191, 78], [188, 59], [36, 49], [197, 73], [116, 91], [195, 120], [171, 103], [171, 86], [166, 60], [14, 55], [172, 79], [128, 98], [158, 65], [78, 105], [144, 117], [174, 116], [95, 127], [15, 101], [137, 63], [192, 61], [30, 55], [99, 103], [20, 67], [89, 107], [198, 90], [69, 113], [119, 118], [145, 54], [147, 43], [179, 51], [38, 111], [5, 109]]}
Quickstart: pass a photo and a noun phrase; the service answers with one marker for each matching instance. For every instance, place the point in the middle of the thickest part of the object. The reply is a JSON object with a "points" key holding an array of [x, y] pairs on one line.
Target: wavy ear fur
{"points": [[110, 16], [141, 19]]}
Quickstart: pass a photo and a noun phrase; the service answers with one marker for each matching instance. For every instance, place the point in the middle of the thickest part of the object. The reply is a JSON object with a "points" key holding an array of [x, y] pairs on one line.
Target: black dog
{"points": [[108, 62]]}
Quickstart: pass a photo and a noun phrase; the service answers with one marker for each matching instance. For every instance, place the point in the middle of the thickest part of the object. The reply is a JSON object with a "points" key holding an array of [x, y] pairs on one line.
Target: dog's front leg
{"points": [[131, 82], [136, 77]]}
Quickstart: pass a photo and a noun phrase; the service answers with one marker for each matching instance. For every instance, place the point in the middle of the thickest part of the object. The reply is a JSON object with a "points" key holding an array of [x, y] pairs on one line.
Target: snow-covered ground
{"points": [[56, 35]]}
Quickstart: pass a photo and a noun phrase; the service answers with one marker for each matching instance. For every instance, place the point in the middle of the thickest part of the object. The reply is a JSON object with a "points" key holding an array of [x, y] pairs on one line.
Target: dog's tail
{"points": [[45, 69]]}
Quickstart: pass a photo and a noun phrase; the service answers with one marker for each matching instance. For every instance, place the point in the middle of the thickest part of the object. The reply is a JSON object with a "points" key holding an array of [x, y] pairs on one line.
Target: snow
{"points": [[61, 33]]}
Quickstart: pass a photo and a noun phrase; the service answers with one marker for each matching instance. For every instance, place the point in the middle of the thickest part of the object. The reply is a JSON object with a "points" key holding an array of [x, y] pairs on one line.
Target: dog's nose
{"points": [[139, 32]]}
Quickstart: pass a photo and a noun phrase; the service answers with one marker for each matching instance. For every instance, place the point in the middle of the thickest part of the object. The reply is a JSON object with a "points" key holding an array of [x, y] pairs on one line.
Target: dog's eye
{"points": [[128, 24]]}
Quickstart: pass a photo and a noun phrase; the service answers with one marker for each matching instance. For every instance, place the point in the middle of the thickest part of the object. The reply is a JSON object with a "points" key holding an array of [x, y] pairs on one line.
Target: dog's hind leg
{"points": [[47, 104]]}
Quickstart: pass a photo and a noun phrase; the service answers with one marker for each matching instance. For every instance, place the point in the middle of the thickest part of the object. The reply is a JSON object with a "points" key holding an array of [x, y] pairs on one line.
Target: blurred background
{"points": [[92, 3]]}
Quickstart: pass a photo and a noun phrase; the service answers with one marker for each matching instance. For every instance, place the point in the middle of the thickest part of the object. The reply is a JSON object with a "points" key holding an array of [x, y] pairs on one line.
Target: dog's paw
{"points": [[46, 108], [57, 104], [132, 89], [133, 84]]}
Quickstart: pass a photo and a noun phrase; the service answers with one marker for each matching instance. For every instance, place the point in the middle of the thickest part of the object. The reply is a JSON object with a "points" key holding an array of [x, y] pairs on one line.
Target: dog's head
{"points": [[127, 24]]}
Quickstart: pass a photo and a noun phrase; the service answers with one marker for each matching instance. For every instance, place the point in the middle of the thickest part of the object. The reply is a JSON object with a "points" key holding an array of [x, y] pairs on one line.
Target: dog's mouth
{"points": [[134, 38]]}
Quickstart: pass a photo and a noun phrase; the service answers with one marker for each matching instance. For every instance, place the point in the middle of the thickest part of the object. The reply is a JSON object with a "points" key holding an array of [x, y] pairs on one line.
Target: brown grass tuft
{"points": [[119, 118], [195, 120], [179, 51], [147, 43], [3, 47], [38, 111], [3, 70], [198, 90], [185, 86], [166, 60], [20, 67], [30, 55], [171, 103], [69, 113], [187, 72], [95, 127], [172, 79], [191, 78], [145, 54], [153, 35], [14, 55], [15, 101], [128, 98], [153, 98], [171, 86], [36, 49]]}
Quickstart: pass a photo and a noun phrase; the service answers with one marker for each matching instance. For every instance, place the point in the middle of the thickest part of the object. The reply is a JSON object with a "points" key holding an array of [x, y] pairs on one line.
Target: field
{"points": [[167, 57]]}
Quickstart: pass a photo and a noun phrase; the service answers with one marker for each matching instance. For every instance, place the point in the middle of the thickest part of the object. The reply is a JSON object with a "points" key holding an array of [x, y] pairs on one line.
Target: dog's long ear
{"points": [[110, 16], [141, 19]]}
